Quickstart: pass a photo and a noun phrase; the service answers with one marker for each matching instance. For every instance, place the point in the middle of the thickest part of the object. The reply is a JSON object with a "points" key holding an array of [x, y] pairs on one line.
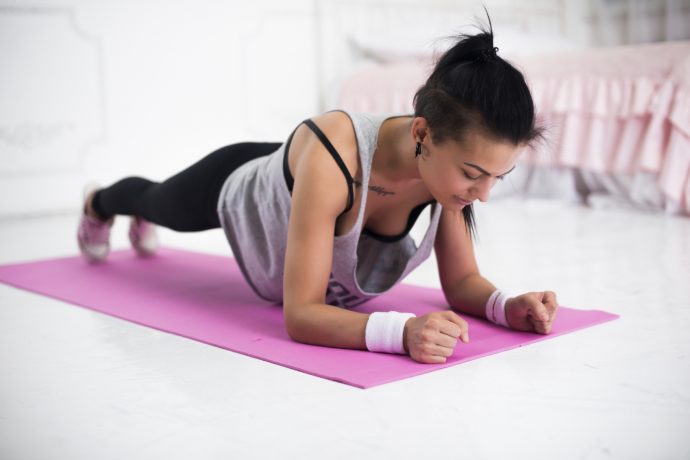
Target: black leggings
{"points": [[187, 201]]}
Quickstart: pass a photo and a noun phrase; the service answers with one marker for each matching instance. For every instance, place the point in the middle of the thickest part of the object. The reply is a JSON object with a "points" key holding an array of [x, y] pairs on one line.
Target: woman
{"points": [[321, 222]]}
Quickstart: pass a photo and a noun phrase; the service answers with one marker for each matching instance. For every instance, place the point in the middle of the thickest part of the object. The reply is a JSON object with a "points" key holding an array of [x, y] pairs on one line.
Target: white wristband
{"points": [[384, 331], [496, 308]]}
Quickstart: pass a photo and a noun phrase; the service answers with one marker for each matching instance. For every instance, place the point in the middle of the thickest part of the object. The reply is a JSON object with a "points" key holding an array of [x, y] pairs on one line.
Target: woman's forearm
{"points": [[470, 295], [327, 325], [330, 326]]}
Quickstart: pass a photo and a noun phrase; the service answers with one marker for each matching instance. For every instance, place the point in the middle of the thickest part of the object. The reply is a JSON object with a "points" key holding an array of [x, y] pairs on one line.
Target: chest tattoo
{"points": [[375, 188]]}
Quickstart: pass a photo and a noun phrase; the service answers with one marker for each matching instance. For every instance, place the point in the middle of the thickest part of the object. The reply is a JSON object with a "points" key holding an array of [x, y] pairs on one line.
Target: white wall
{"points": [[102, 89]]}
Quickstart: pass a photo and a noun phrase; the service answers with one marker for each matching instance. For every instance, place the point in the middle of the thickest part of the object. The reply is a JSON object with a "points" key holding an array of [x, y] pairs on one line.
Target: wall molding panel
{"points": [[53, 109]]}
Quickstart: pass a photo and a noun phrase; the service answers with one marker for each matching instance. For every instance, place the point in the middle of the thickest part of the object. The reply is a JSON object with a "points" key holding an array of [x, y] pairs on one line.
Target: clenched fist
{"points": [[532, 312], [431, 338]]}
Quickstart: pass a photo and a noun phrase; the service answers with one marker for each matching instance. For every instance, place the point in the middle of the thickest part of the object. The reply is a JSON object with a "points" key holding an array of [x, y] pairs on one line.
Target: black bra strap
{"points": [[286, 168], [334, 153]]}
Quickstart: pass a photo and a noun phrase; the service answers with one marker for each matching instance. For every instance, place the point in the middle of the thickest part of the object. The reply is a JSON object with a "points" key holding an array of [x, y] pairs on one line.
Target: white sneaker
{"points": [[93, 235], [143, 236]]}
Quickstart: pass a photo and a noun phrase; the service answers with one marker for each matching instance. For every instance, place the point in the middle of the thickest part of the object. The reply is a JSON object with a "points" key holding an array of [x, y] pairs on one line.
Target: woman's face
{"points": [[457, 174]]}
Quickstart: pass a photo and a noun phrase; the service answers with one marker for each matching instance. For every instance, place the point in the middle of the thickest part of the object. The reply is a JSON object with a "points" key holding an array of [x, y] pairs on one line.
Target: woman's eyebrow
{"points": [[484, 172]]}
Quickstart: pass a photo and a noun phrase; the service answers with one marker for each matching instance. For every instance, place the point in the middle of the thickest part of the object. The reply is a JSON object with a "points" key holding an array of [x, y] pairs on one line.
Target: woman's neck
{"points": [[394, 159]]}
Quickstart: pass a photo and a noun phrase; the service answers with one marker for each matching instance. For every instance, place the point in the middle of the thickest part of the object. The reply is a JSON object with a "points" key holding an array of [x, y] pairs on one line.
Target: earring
{"points": [[418, 149]]}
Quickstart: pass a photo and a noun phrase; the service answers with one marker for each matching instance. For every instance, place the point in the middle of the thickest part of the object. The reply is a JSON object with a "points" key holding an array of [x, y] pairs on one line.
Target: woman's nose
{"points": [[482, 189]]}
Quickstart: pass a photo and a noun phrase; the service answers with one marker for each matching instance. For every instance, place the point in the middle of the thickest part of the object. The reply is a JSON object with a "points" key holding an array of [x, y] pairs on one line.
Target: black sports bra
{"points": [[414, 215]]}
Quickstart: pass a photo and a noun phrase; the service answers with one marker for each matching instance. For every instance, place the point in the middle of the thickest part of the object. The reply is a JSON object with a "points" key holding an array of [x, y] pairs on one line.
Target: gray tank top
{"points": [[254, 208]]}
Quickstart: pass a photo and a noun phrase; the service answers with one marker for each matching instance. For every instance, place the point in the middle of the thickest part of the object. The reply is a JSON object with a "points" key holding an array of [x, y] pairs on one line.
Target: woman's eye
{"points": [[469, 177]]}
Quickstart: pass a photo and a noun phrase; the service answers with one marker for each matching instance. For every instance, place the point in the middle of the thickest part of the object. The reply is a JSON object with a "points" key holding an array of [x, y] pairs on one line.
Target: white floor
{"points": [[78, 384]]}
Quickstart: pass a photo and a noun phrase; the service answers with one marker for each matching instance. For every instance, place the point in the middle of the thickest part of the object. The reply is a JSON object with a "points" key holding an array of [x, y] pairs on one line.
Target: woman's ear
{"points": [[420, 129]]}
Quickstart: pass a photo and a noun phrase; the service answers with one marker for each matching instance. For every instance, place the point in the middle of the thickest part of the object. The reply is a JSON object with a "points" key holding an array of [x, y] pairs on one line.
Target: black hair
{"points": [[472, 88]]}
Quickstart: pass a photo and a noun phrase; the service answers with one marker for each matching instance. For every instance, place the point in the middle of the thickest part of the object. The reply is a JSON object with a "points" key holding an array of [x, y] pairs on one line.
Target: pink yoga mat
{"points": [[205, 298]]}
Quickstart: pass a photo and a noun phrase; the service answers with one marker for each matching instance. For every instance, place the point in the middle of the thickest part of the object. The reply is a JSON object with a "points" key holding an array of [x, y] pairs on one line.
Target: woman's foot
{"points": [[93, 234], [143, 236]]}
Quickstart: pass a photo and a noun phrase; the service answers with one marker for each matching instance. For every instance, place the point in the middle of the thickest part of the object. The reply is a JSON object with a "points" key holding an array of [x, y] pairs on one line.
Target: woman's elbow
{"points": [[293, 325]]}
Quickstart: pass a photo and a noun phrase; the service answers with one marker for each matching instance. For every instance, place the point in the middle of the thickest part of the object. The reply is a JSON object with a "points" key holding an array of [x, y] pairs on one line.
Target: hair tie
{"points": [[487, 54]]}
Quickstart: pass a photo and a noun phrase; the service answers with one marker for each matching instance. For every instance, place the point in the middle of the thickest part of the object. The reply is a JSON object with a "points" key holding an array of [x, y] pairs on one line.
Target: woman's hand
{"points": [[532, 312], [431, 338]]}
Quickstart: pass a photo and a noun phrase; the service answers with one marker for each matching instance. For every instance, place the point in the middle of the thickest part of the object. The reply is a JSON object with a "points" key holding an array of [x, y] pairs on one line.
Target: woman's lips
{"points": [[461, 201]]}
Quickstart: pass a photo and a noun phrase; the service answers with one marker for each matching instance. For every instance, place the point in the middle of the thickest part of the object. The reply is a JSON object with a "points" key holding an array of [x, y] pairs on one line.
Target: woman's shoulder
{"points": [[347, 120], [336, 122], [337, 127], [346, 127], [338, 130], [346, 131]]}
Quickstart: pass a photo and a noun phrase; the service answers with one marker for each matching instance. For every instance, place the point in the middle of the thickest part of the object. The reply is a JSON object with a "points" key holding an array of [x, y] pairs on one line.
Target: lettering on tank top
{"points": [[339, 295]]}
